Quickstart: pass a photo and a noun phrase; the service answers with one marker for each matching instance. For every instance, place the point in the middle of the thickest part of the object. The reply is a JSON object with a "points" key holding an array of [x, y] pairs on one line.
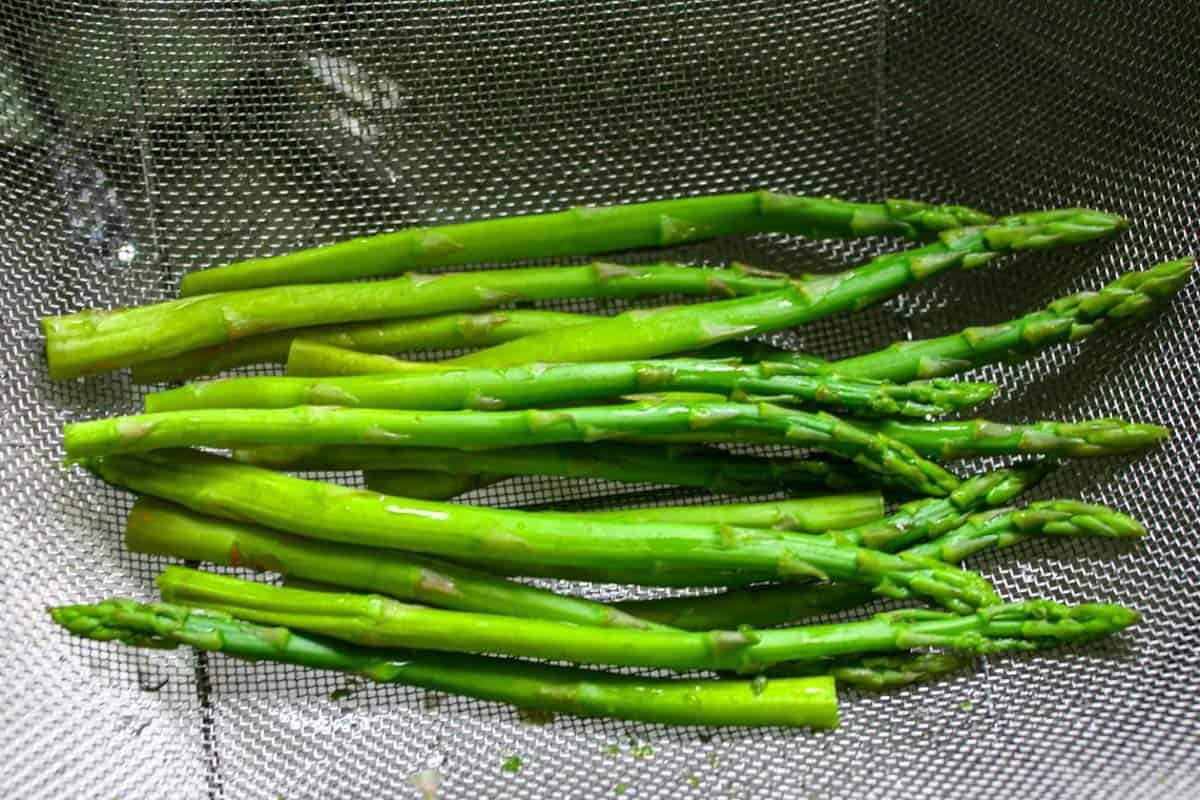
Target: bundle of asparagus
{"points": [[369, 571]]}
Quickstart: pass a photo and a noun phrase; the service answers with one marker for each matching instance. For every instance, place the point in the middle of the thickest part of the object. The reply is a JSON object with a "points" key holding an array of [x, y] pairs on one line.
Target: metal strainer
{"points": [[142, 139]]}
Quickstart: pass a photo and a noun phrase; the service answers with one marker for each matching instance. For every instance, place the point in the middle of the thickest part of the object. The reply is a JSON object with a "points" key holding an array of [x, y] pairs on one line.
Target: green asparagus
{"points": [[775, 605], [964, 438], [696, 466], [912, 523], [877, 673], [550, 384], [95, 341], [806, 515], [169, 530], [442, 332], [585, 231], [1066, 320], [213, 485], [304, 425], [647, 334], [378, 621], [806, 701], [316, 359]]}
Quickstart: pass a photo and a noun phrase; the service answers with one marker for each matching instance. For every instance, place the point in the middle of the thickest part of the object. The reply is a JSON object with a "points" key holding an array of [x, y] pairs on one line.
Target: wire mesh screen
{"points": [[139, 140]]}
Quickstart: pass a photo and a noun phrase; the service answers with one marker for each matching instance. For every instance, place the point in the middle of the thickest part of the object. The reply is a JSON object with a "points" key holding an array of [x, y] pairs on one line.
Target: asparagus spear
{"points": [[379, 621], [94, 341], [806, 515], [585, 231], [808, 701], [312, 359], [1066, 320], [549, 384], [213, 485], [697, 466], [877, 673], [441, 332], [493, 429], [775, 605], [646, 334], [912, 523], [963, 438], [428, 485], [169, 530]]}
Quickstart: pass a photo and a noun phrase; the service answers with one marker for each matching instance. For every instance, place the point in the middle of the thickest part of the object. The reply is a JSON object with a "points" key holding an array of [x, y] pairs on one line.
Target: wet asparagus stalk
{"points": [[439, 332], [803, 701], [304, 425], [550, 384], [378, 621], [716, 470], [776, 605], [912, 523], [585, 231], [94, 341], [978, 437], [213, 485], [167, 529]]}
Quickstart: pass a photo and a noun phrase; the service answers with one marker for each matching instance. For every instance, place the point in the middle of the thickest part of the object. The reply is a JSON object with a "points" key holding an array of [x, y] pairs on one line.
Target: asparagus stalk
{"points": [[696, 466], [646, 334], [94, 341], [378, 621], [316, 359], [213, 485], [806, 701], [166, 529], [440, 332], [964, 438], [1065, 320], [775, 605], [912, 523], [585, 231], [304, 425], [806, 515], [428, 485], [878, 673], [550, 384]]}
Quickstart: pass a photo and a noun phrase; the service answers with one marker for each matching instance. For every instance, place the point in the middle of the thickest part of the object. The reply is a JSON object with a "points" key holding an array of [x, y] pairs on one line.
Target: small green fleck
{"points": [[966, 705], [693, 780], [713, 760], [512, 764], [345, 691], [610, 750], [641, 751], [620, 788]]}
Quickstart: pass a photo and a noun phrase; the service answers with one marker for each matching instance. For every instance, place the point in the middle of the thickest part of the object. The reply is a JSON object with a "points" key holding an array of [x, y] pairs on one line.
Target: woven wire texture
{"points": [[140, 140]]}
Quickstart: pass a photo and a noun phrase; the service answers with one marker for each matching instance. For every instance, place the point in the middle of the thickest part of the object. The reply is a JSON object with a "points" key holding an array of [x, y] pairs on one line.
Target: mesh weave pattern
{"points": [[142, 139]]}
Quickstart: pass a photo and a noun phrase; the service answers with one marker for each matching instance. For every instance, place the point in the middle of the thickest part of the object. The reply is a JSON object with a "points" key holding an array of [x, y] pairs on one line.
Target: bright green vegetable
{"points": [[1066, 320], [379, 621], [427, 485], [911, 524], [305, 425], [95, 341], [213, 485], [450, 388], [878, 673], [647, 334], [776, 605], [978, 437], [441, 332], [697, 466], [808, 701], [311, 359], [170, 530], [584, 231], [807, 515]]}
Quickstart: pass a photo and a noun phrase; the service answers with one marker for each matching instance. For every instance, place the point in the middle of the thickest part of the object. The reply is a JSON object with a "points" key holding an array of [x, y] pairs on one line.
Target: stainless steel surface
{"points": [[139, 140]]}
